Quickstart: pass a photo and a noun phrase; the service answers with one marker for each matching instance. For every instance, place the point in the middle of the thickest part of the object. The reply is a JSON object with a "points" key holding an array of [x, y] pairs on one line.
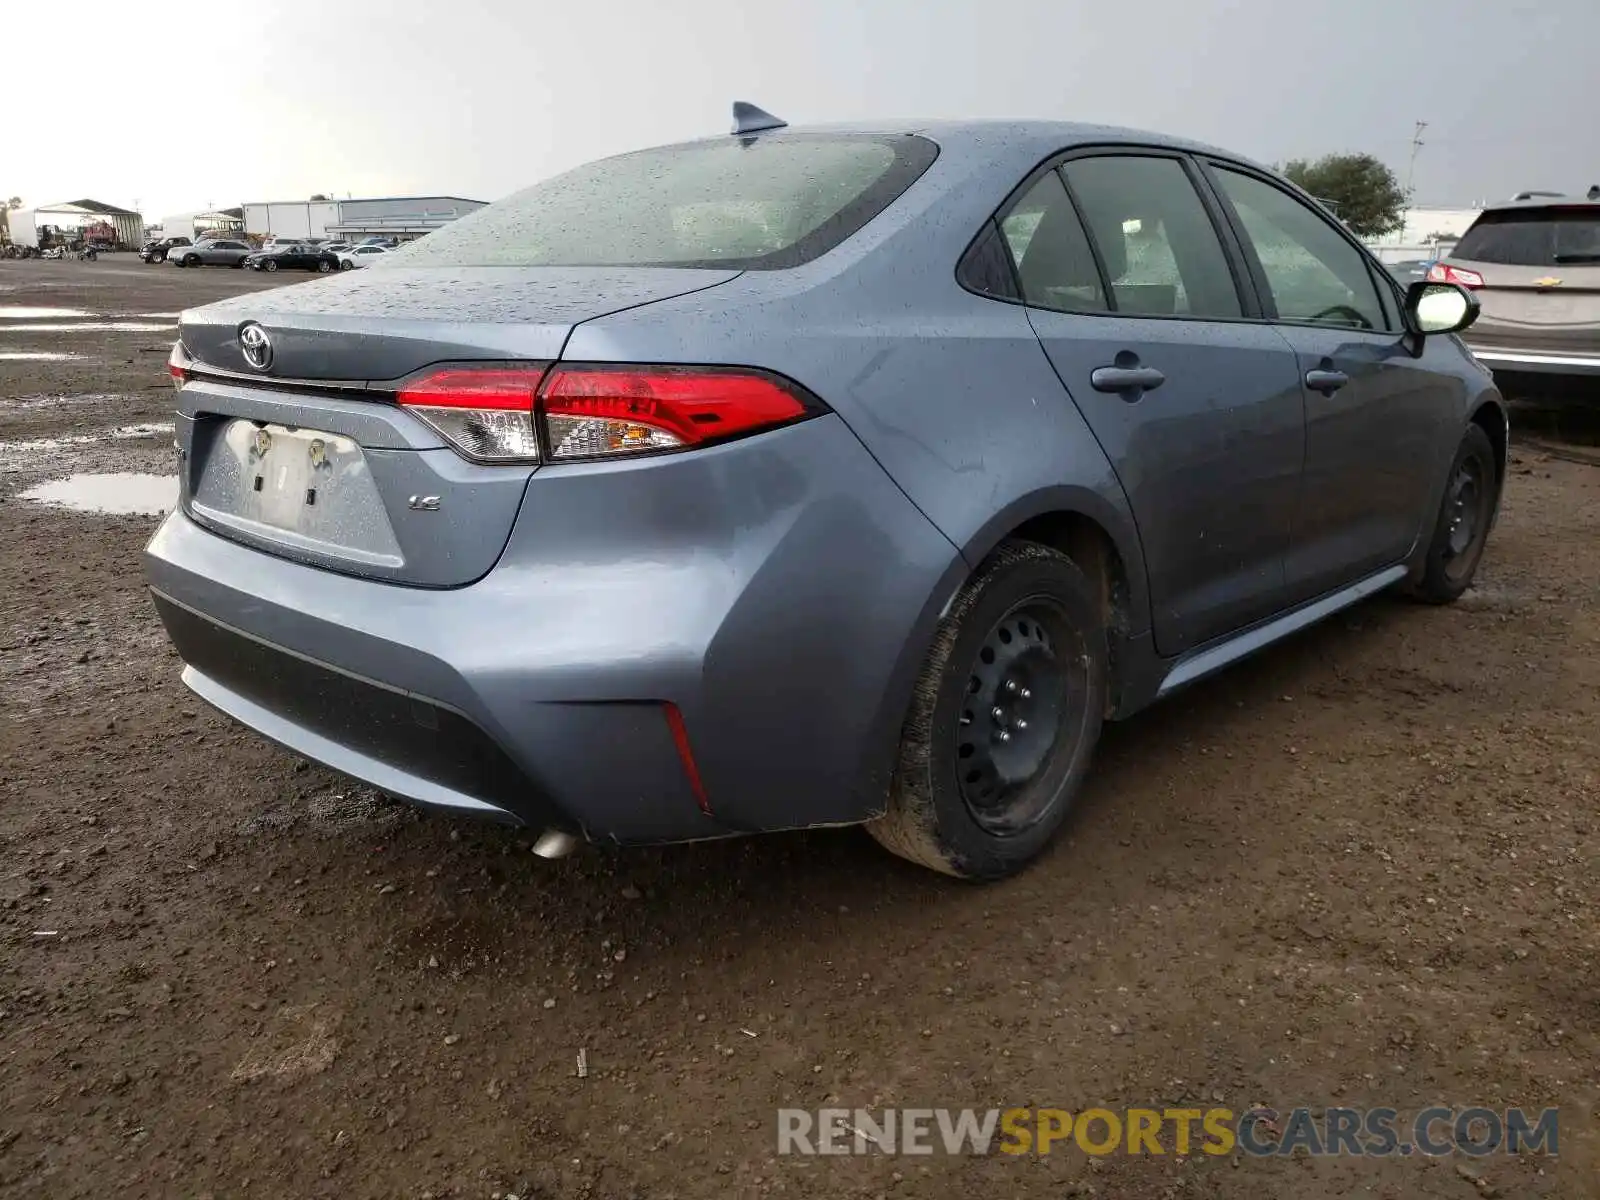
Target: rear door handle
{"points": [[1126, 379], [1326, 382]]}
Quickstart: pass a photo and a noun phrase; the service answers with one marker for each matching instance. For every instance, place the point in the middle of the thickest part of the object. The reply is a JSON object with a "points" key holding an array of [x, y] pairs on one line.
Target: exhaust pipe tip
{"points": [[555, 843]]}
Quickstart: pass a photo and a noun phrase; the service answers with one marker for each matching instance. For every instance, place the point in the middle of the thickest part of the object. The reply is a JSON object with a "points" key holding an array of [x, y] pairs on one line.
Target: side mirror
{"points": [[1440, 307]]}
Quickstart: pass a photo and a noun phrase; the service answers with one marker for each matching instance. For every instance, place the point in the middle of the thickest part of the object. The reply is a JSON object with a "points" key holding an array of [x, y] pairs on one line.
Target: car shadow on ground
{"points": [[468, 883]]}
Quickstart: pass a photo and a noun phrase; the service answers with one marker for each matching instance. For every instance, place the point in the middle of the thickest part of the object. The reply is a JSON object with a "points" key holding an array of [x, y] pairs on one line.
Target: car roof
{"points": [[1536, 202], [992, 134], [1005, 143]]}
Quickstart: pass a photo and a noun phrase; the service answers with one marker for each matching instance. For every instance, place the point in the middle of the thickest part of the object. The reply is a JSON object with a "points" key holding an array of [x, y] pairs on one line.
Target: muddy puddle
{"points": [[91, 327], [118, 493], [38, 403], [24, 312], [21, 456]]}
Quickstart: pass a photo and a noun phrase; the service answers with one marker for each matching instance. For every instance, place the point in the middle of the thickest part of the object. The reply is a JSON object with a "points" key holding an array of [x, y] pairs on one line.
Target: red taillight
{"points": [[507, 390], [178, 365], [500, 414], [600, 411], [1444, 273], [486, 414]]}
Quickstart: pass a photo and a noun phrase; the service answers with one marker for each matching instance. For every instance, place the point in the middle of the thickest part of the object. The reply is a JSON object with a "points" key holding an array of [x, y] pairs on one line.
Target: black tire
{"points": [[323, 266], [950, 806], [347, 265], [270, 265], [1461, 530], [191, 260]]}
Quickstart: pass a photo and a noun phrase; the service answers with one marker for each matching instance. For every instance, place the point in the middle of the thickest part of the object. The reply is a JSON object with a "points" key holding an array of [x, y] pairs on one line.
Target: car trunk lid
{"points": [[378, 325], [289, 437]]}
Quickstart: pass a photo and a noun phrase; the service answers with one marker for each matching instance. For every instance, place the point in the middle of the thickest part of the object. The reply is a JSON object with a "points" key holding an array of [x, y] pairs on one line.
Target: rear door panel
{"points": [[1210, 460]]}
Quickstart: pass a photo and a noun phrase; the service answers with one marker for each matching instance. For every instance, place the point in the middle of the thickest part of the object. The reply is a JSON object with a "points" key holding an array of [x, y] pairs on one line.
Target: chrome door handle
{"points": [[1326, 382], [1126, 379]]}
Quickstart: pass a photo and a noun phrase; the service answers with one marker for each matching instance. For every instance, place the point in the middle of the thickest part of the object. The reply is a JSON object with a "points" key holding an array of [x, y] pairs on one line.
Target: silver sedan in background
{"points": [[360, 256], [215, 252]]}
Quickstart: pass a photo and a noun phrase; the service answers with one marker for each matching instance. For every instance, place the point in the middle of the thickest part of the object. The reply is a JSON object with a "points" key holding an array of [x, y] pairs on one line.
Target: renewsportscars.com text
{"points": [[1259, 1132]]}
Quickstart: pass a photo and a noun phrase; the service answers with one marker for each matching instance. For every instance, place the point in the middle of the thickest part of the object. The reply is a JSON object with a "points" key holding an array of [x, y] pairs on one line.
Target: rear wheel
{"points": [[1462, 528], [323, 266], [1003, 720]]}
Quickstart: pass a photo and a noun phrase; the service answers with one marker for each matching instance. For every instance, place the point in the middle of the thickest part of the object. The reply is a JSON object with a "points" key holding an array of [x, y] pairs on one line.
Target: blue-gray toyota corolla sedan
{"points": [[810, 477]]}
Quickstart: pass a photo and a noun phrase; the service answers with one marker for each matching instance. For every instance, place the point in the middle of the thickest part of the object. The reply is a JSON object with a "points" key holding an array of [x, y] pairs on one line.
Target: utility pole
{"points": [[1411, 171]]}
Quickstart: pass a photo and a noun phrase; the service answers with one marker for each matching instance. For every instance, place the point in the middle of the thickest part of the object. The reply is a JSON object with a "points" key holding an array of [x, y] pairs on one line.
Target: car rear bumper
{"points": [[1501, 358], [780, 602]]}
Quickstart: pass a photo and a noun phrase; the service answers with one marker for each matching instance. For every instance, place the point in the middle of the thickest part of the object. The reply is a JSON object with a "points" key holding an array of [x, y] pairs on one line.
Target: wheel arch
{"points": [[1492, 417], [1486, 409], [1081, 524], [1086, 527], [1077, 521]]}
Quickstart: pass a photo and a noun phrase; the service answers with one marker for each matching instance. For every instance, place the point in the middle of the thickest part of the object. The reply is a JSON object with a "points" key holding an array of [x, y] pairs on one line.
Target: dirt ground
{"points": [[1360, 869]]}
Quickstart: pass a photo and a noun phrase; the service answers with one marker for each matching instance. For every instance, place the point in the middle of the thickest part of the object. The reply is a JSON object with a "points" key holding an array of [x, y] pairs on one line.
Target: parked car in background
{"points": [[293, 256], [212, 252], [336, 247], [1409, 271], [361, 256], [1534, 266], [805, 478], [156, 250]]}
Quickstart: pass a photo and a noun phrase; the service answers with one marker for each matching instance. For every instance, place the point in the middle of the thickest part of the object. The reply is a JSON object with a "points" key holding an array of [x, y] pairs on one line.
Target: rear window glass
{"points": [[1535, 238], [748, 203]]}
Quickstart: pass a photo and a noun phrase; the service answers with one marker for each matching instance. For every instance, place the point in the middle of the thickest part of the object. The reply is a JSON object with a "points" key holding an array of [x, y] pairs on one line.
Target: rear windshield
{"points": [[748, 203], [1533, 238]]}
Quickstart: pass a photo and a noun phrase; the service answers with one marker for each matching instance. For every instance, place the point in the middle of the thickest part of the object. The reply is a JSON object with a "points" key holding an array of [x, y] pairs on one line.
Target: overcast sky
{"points": [[206, 104]]}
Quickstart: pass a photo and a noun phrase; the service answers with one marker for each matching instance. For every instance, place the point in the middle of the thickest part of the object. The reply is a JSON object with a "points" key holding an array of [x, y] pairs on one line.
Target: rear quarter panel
{"points": [[950, 392]]}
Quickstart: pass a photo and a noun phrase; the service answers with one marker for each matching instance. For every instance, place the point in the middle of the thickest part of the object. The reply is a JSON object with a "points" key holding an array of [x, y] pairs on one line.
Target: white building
{"points": [[1422, 233], [291, 219], [196, 225], [74, 216], [402, 217]]}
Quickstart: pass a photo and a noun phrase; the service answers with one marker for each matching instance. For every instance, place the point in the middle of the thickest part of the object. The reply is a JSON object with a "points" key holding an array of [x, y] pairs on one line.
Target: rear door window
{"points": [[1160, 249], [1533, 238], [754, 203]]}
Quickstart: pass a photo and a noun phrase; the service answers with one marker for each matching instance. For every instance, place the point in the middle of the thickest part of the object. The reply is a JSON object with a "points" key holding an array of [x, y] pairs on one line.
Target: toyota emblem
{"points": [[257, 346]]}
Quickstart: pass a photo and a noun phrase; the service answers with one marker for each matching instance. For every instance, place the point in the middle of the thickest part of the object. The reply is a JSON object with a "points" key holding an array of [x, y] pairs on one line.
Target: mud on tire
{"points": [[957, 802], [1461, 528]]}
